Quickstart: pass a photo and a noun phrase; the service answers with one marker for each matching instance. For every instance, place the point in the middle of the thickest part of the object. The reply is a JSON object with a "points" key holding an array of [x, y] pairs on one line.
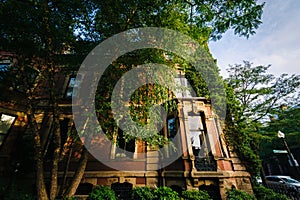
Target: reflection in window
{"points": [[196, 131], [125, 146], [5, 124], [72, 88], [183, 89], [172, 129], [4, 66]]}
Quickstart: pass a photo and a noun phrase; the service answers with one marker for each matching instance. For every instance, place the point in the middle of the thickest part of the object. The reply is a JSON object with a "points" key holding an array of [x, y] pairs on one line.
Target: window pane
{"points": [[72, 82], [195, 139], [3, 69], [125, 148], [195, 122], [172, 128], [73, 86], [5, 123]]}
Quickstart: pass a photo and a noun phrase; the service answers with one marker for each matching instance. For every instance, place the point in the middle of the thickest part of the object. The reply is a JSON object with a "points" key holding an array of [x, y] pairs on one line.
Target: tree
{"points": [[37, 33], [259, 92], [196, 18], [253, 95], [286, 119]]}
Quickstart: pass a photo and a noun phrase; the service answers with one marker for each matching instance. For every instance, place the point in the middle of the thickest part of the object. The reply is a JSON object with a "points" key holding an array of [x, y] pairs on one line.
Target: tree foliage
{"points": [[102, 193], [195, 195], [263, 193], [286, 119], [36, 34], [253, 95], [196, 18], [235, 194], [260, 92]]}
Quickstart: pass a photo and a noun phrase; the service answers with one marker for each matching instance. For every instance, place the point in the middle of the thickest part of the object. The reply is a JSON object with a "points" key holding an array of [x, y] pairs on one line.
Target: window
{"points": [[184, 88], [196, 127], [5, 124], [72, 88], [171, 131], [125, 146], [4, 65]]}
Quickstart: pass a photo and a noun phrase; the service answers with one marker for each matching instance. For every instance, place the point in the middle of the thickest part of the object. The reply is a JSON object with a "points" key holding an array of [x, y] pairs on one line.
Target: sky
{"points": [[276, 42]]}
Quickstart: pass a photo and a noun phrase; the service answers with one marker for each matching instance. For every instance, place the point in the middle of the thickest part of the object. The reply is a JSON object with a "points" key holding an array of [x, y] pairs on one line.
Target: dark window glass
{"points": [[172, 129], [125, 147]]}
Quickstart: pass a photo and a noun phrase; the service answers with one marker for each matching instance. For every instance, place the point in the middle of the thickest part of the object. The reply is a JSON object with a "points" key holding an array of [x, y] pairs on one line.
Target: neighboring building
{"points": [[197, 168]]}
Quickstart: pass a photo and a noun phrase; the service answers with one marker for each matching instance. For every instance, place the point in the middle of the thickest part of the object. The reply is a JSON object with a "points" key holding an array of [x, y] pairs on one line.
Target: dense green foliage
{"points": [[195, 195], [142, 193], [237, 134], [286, 119], [252, 96], [263, 193], [259, 92], [164, 193], [197, 18], [235, 194], [102, 193]]}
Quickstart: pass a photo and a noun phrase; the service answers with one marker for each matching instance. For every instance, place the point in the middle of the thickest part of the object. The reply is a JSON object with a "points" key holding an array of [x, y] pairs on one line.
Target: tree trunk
{"points": [[64, 178], [40, 183], [78, 174], [56, 158]]}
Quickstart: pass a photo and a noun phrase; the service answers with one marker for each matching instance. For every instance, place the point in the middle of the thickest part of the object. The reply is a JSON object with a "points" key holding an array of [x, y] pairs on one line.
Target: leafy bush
{"points": [[102, 193], [165, 193], [142, 193], [263, 193], [195, 195], [235, 194]]}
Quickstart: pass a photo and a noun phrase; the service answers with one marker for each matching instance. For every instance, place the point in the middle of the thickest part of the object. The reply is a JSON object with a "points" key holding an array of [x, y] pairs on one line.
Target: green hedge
{"points": [[195, 195], [263, 193], [102, 193], [235, 194], [166, 193]]}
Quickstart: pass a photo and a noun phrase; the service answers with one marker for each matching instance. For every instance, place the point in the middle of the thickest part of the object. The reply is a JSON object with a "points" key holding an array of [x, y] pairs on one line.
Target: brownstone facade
{"points": [[206, 162]]}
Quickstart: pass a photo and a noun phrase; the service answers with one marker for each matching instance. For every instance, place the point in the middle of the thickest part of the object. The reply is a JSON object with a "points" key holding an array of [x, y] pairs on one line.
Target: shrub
{"points": [[263, 193], [142, 193], [235, 194], [102, 193], [165, 193], [195, 195]]}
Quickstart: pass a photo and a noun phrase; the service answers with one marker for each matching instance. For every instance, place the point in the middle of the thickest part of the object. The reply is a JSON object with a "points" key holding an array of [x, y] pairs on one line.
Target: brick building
{"points": [[205, 161]]}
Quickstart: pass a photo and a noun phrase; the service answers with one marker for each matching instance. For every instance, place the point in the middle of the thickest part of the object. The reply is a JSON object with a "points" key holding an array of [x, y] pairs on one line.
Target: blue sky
{"points": [[276, 42]]}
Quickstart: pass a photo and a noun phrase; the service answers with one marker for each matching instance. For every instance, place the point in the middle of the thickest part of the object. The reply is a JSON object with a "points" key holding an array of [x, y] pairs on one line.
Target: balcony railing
{"points": [[205, 163]]}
